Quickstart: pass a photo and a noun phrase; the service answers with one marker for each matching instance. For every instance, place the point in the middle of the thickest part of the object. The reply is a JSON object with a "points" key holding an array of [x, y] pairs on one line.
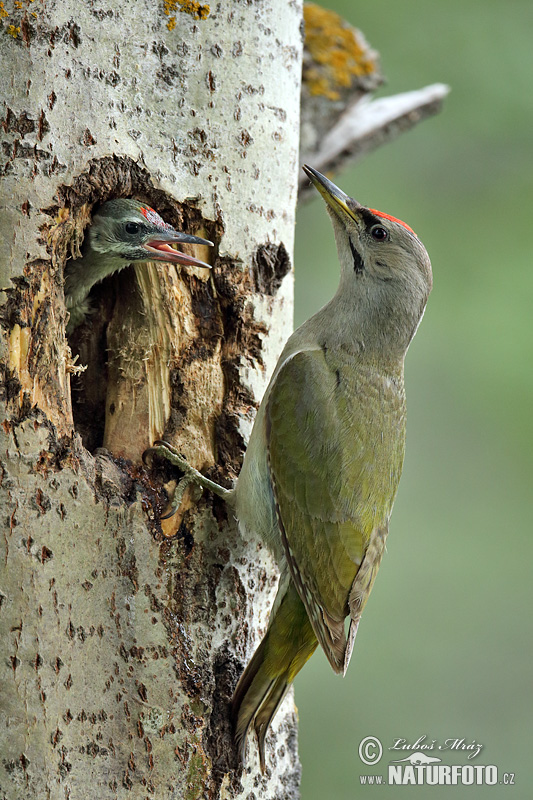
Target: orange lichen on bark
{"points": [[193, 7], [14, 29], [337, 53]]}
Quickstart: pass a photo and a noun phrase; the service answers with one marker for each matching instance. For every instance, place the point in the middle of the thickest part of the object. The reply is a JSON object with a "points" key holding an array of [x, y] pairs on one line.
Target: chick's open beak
{"points": [[160, 248]]}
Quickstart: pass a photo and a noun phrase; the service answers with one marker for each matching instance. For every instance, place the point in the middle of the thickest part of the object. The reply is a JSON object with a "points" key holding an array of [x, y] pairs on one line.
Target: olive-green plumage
{"points": [[324, 460], [325, 455], [289, 642]]}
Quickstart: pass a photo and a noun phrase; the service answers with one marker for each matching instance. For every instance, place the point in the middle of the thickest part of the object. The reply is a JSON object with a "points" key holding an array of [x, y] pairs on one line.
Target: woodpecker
{"points": [[122, 231], [326, 451]]}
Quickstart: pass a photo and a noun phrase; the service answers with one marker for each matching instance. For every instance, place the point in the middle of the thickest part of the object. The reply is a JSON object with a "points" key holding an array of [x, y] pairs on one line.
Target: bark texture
{"points": [[122, 637]]}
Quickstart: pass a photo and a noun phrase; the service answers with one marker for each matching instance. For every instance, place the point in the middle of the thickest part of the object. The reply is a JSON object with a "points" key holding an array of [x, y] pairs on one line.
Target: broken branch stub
{"points": [[340, 122]]}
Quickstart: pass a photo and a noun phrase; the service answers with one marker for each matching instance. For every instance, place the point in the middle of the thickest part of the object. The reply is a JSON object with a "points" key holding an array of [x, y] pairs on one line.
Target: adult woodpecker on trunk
{"points": [[122, 231], [325, 455]]}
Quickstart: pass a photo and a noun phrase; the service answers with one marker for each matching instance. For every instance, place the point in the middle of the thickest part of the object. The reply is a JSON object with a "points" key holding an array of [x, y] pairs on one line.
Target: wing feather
{"points": [[325, 467]]}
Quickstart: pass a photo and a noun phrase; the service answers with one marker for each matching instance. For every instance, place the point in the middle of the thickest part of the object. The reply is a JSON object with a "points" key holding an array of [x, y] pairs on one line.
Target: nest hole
{"points": [[105, 179]]}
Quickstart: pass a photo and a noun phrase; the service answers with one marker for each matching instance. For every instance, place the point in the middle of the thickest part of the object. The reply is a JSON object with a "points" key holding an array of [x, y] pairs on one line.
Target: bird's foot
{"points": [[190, 476]]}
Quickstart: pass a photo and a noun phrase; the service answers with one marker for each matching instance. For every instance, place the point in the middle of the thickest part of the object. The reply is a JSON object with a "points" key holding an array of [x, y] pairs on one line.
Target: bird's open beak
{"points": [[334, 197], [160, 248]]}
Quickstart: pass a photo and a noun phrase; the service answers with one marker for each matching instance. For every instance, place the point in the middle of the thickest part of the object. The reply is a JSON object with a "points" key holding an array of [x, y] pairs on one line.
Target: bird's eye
{"points": [[379, 234], [132, 227]]}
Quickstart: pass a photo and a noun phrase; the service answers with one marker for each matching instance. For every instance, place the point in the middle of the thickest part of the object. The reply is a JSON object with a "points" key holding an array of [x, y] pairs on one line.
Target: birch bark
{"points": [[122, 638]]}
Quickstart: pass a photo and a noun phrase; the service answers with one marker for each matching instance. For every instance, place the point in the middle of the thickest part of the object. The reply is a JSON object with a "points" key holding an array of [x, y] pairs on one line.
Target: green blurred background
{"points": [[444, 648]]}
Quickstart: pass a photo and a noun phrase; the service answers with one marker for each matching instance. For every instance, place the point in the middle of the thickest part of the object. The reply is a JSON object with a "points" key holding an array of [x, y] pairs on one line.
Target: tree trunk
{"points": [[122, 636]]}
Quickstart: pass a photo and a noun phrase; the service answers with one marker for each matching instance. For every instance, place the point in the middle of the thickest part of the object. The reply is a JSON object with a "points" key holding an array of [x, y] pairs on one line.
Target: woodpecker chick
{"points": [[122, 231], [325, 455]]}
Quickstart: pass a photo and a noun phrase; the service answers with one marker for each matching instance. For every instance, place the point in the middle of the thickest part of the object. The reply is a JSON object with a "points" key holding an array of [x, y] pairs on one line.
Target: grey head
{"points": [[385, 275], [132, 231], [122, 232]]}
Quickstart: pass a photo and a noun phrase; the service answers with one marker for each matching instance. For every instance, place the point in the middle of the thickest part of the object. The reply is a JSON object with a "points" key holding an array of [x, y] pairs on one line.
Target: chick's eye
{"points": [[132, 227], [379, 234]]}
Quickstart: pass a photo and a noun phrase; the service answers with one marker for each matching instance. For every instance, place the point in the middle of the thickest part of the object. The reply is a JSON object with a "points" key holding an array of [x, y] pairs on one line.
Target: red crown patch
{"points": [[392, 219], [153, 217]]}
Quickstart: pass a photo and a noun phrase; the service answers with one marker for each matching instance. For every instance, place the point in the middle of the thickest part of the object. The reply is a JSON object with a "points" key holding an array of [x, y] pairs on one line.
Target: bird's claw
{"points": [[165, 450], [191, 475], [169, 453], [177, 496]]}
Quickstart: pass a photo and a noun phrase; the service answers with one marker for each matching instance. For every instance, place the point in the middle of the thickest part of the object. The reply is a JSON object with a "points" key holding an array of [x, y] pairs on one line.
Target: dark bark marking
{"points": [[23, 124], [43, 126], [219, 739], [10, 385], [88, 139], [127, 563], [46, 554], [242, 338], [74, 33], [270, 264], [245, 138]]}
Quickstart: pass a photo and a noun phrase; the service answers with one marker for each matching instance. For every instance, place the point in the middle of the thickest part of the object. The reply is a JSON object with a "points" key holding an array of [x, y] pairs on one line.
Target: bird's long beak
{"points": [[334, 197], [160, 248]]}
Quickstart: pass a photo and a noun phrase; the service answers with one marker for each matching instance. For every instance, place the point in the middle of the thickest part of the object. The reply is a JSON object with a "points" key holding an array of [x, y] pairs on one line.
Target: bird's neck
{"points": [[82, 274], [354, 330]]}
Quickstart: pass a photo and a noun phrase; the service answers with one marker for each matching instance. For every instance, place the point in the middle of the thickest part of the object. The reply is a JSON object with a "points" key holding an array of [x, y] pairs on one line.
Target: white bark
{"points": [[121, 645]]}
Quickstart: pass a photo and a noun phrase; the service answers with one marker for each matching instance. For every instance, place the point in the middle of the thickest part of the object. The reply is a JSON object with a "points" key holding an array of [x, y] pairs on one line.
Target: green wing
{"points": [[326, 460]]}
